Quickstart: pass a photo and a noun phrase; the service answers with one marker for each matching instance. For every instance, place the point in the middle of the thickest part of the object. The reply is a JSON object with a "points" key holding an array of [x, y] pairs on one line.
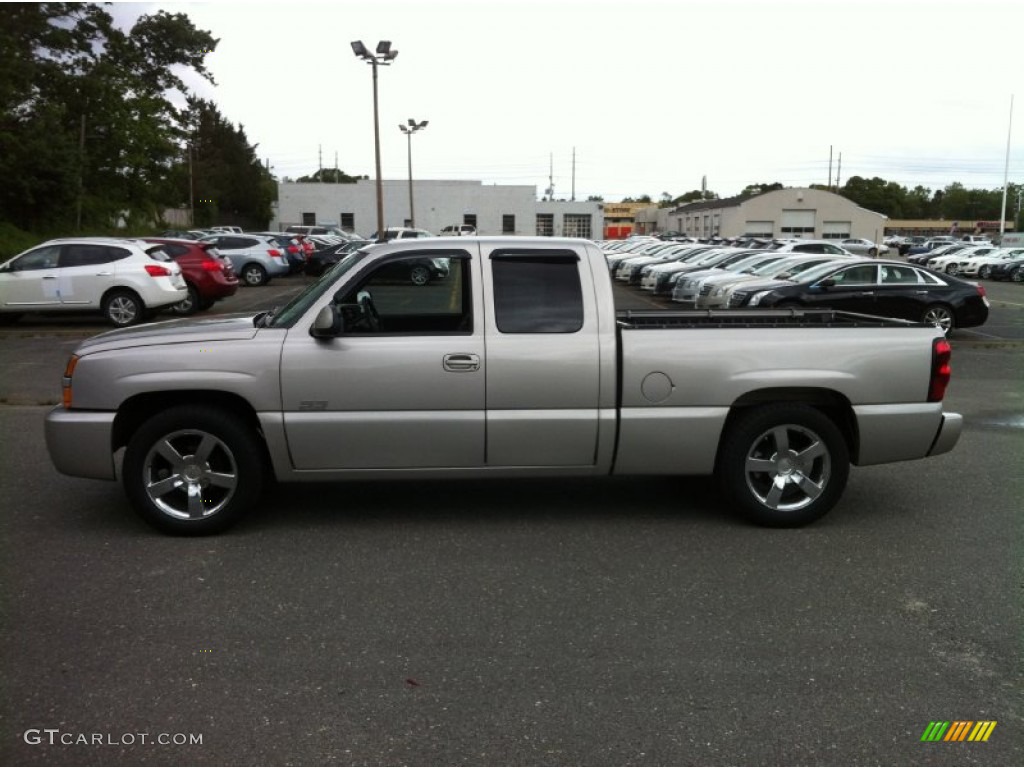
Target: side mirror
{"points": [[828, 282], [328, 323]]}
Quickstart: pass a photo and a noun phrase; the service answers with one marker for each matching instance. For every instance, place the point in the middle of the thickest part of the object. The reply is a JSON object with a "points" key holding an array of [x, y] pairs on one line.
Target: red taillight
{"points": [[274, 253], [981, 291], [941, 370], [155, 270], [213, 265]]}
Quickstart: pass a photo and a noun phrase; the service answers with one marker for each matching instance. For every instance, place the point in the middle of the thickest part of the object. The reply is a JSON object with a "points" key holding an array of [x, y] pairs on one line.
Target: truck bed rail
{"points": [[742, 318]]}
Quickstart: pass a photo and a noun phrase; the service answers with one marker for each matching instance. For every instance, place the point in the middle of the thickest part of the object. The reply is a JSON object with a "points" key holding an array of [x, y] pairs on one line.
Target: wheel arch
{"points": [[121, 289], [836, 406], [134, 411]]}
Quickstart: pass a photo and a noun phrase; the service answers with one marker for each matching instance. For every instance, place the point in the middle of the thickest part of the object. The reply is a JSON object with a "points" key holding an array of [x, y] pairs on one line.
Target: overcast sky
{"points": [[652, 95]]}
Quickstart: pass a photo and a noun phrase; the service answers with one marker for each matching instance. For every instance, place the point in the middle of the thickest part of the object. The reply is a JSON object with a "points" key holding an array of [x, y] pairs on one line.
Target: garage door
{"points": [[798, 223]]}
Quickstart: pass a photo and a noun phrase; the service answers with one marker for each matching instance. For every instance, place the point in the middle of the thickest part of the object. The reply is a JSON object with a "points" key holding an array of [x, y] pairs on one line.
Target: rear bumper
{"points": [[904, 431], [949, 432], [79, 443]]}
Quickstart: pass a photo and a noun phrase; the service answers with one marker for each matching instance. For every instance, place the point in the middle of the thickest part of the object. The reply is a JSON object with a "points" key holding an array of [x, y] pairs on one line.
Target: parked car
{"points": [[1010, 270], [126, 280], [255, 258], [981, 265], [294, 248], [209, 277], [324, 258], [320, 229], [922, 257], [458, 230], [931, 244], [810, 246], [400, 233], [863, 247], [951, 261], [884, 288], [911, 242]]}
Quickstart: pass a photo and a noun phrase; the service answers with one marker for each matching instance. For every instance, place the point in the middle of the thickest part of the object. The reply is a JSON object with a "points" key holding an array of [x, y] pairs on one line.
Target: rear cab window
{"points": [[537, 292]]}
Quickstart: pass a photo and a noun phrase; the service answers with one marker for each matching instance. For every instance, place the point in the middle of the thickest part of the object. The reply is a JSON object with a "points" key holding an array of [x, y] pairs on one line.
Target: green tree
{"points": [[87, 124], [228, 182], [329, 176]]}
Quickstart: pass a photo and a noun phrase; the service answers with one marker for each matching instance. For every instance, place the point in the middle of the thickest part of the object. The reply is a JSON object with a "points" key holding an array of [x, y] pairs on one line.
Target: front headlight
{"points": [[756, 298]]}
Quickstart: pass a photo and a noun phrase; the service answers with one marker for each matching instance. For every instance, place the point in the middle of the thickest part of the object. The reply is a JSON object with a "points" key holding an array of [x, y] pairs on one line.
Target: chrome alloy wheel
{"points": [[787, 467], [190, 474], [940, 316]]}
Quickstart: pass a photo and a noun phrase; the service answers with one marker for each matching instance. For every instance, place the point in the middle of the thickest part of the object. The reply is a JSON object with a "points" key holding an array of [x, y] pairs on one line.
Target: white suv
{"points": [[126, 280]]}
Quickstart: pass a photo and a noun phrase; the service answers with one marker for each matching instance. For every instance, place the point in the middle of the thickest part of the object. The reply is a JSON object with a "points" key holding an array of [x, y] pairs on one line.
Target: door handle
{"points": [[104, 274], [460, 363], [867, 293]]}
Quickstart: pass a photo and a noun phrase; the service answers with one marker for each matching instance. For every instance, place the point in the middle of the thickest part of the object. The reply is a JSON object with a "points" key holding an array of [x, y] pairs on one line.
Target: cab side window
{"points": [[537, 293], [428, 293]]}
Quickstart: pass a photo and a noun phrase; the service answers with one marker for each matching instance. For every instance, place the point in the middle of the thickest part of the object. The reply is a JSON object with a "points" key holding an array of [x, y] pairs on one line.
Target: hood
{"points": [[220, 328]]}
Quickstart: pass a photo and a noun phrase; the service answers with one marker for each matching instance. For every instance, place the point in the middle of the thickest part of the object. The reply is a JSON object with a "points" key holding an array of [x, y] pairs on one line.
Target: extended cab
{"points": [[515, 363]]}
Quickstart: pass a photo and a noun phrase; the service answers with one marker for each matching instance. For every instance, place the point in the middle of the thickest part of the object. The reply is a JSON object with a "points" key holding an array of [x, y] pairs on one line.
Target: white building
{"points": [[794, 212], [493, 209]]}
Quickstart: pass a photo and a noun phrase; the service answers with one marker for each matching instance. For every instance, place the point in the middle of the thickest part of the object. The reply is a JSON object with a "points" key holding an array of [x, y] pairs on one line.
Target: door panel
{"points": [[391, 396], [543, 357]]}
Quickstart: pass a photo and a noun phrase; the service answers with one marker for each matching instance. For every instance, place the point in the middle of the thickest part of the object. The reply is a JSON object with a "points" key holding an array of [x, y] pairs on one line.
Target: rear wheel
{"points": [[985, 271], [872, 252], [189, 305], [783, 465], [952, 268], [192, 470], [1017, 275], [940, 315], [254, 275], [419, 275], [123, 308]]}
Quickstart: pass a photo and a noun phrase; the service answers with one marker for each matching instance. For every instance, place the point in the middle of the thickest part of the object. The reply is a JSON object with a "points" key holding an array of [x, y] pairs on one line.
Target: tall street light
{"points": [[409, 130], [383, 57]]}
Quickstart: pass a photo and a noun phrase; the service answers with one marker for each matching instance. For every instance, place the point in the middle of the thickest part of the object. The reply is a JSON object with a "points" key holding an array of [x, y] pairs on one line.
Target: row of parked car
{"points": [[791, 274], [129, 280]]}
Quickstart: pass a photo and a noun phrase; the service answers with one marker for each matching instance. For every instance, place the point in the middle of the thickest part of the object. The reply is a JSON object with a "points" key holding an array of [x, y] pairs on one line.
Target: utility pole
{"points": [[81, 175], [573, 197], [320, 162], [839, 168], [829, 168]]}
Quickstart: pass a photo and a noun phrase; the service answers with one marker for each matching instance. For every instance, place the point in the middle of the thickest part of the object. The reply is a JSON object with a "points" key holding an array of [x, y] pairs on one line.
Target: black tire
{"points": [[1017, 275], [985, 272], [952, 268], [123, 308], [205, 304], [190, 305], [872, 252], [940, 315], [810, 474], [419, 275], [189, 450], [254, 275]]}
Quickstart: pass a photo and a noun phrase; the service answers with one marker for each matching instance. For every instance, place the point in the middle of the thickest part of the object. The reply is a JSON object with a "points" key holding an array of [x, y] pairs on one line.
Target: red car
{"points": [[208, 276]]}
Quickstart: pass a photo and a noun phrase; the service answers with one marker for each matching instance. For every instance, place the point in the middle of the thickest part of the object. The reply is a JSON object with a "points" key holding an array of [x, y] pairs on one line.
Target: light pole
{"points": [[409, 130], [384, 56]]}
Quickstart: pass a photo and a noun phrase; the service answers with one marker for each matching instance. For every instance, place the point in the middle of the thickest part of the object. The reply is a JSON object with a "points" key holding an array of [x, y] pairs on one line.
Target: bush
{"points": [[13, 240]]}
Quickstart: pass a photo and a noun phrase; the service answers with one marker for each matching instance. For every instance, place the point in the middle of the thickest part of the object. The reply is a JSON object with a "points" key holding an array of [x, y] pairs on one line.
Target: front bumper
{"points": [[80, 443]]}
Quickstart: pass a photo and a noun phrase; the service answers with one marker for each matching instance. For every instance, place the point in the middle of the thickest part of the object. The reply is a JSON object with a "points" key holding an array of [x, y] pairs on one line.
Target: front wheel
{"points": [[985, 272], [951, 268], [1017, 275], [192, 470], [783, 465]]}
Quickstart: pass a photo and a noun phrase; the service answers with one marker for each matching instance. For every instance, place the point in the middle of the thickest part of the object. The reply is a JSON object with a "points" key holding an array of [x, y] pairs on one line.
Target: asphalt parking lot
{"points": [[556, 622]]}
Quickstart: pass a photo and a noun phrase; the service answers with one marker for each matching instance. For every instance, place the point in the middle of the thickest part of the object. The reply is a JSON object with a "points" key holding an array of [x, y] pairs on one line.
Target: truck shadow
{"points": [[484, 502]]}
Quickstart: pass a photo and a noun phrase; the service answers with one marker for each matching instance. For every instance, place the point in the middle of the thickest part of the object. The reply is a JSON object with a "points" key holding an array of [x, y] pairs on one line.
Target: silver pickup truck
{"points": [[509, 361]]}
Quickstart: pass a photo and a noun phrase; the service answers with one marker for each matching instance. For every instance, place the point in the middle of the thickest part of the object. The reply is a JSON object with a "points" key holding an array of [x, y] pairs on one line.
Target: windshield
{"points": [[285, 317]]}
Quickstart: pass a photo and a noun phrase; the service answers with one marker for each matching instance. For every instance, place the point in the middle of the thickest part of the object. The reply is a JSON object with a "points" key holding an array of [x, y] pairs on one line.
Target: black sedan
{"points": [[884, 288], [327, 255]]}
